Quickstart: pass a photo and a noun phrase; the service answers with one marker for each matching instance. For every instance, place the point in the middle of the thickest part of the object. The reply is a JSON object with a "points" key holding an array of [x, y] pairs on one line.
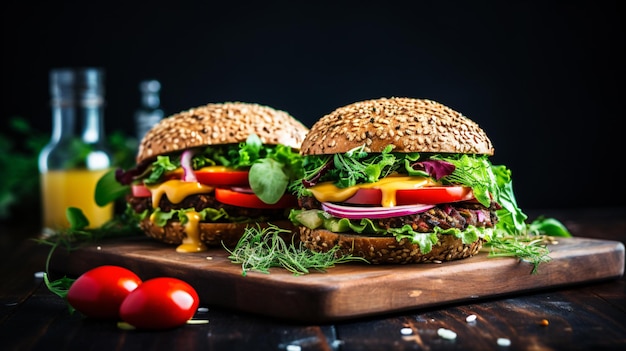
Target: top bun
{"points": [[409, 125], [221, 123]]}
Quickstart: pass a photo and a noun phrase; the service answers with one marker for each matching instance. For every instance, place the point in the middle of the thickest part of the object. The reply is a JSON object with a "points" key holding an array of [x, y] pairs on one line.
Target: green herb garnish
{"points": [[271, 167], [511, 236], [75, 236], [527, 248], [271, 174], [260, 249]]}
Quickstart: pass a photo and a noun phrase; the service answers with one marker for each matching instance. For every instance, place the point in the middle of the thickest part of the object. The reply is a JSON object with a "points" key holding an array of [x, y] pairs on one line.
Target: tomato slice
{"points": [[140, 190], [205, 176], [215, 175], [241, 199], [431, 195], [366, 197], [222, 177]]}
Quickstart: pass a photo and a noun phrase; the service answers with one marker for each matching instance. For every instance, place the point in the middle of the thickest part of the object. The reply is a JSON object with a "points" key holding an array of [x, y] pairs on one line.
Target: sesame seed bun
{"points": [[388, 250], [221, 123], [215, 124], [409, 125]]}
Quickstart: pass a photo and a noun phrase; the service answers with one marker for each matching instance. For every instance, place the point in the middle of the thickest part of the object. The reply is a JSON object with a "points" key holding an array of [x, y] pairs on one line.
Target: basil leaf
{"points": [[268, 180], [549, 226], [108, 189], [77, 218]]}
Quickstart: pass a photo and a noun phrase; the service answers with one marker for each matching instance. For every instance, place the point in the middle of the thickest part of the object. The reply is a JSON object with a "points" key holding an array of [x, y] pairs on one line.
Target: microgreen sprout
{"points": [[512, 235], [260, 249], [528, 248]]}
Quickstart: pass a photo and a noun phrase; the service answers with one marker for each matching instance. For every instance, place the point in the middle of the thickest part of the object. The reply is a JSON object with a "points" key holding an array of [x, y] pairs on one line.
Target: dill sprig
{"points": [[74, 237], [260, 249], [529, 248], [78, 233]]}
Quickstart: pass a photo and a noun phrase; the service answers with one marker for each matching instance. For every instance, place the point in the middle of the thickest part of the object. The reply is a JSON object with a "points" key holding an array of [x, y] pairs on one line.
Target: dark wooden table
{"points": [[590, 316]]}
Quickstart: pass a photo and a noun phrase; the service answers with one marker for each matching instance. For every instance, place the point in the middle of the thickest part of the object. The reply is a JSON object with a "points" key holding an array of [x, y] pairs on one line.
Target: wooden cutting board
{"points": [[352, 289]]}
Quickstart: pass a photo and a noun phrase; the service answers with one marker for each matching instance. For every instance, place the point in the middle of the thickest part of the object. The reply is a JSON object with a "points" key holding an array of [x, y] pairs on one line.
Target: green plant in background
{"points": [[19, 180], [18, 161]]}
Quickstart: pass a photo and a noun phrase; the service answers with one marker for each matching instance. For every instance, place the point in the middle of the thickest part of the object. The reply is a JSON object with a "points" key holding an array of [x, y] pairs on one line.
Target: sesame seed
{"points": [[221, 123], [446, 333], [504, 342], [406, 331]]}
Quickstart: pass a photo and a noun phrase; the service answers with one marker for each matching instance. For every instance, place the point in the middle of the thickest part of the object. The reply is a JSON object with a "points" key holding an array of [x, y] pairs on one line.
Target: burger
{"points": [[202, 176], [401, 180]]}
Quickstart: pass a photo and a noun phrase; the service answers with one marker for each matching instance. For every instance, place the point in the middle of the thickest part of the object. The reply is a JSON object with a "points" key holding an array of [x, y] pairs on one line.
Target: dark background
{"points": [[545, 80]]}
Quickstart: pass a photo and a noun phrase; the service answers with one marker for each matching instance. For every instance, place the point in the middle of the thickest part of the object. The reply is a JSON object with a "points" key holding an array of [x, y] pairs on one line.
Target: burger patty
{"points": [[202, 201], [457, 215]]}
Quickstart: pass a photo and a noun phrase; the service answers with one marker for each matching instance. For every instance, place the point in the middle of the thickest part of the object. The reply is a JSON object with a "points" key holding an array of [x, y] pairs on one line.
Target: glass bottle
{"points": [[76, 157], [150, 112]]}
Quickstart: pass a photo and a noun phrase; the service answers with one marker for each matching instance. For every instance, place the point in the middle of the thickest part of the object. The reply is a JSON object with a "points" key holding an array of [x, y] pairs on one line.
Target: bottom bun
{"points": [[211, 234], [388, 250]]}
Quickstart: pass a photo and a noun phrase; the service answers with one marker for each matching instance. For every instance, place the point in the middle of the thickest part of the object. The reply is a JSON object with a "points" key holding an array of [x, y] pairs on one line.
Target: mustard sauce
{"points": [[215, 169], [328, 192], [177, 190], [179, 171], [192, 242]]}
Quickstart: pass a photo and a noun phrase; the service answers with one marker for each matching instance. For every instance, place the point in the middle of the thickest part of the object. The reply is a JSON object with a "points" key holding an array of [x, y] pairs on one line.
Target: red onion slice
{"points": [[353, 212], [480, 216], [242, 189], [185, 163]]}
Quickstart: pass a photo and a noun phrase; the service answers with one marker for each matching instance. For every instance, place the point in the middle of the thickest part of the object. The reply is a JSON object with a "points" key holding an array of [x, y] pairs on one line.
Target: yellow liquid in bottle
{"points": [[72, 188]]}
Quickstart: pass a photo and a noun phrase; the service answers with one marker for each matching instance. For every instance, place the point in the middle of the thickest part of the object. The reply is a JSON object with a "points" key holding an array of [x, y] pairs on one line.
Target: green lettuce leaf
{"points": [[208, 214], [367, 227], [162, 165]]}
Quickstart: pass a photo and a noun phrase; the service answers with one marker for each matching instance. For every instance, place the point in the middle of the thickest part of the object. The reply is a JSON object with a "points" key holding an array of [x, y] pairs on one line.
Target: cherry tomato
{"points": [[245, 199], [426, 195], [160, 303], [99, 292]]}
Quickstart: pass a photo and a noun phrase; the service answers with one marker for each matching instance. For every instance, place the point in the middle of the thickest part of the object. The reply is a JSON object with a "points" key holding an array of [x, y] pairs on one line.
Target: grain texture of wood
{"points": [[351, 290], [581, 316]]}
